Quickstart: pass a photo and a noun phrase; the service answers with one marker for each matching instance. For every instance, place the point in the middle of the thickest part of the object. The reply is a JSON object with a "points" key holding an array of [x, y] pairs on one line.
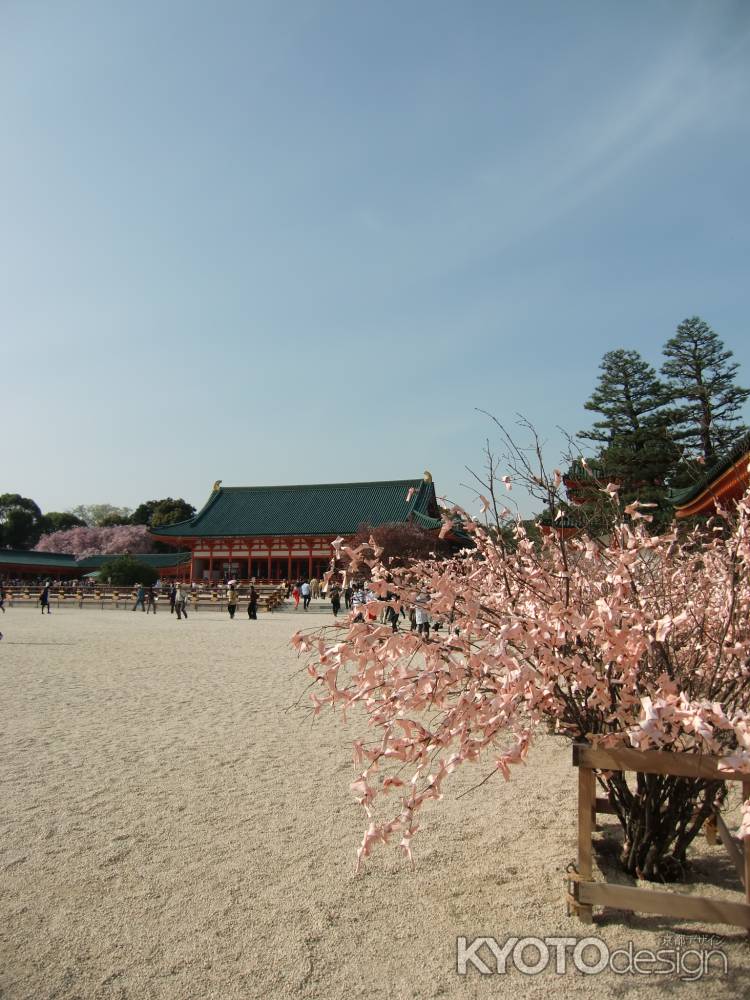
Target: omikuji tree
{"points": [[701, 381], [641, 641]]}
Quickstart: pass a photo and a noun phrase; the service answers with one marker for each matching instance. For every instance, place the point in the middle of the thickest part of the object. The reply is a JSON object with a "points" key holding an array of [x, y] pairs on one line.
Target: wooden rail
{"points": [[268, 599], [584, 893]]}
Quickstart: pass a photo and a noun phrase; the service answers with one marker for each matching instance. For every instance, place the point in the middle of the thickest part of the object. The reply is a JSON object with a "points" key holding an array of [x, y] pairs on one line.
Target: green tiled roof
{"points": [[158, 560], [325, 509], [63, 560], [436, 523], [682, 497], [25, 557]]}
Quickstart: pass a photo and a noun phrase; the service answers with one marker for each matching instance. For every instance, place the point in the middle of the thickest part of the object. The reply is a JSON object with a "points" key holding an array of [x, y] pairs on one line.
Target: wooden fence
{"points": [[269, 598], [584, 893]]}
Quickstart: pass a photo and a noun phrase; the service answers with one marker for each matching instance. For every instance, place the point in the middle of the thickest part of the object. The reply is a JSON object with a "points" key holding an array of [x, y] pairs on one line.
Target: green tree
{"points": [[160, 512], [102, 515], [114, 519], [20, 522], [636, 448], [124, 571], [701, 382], [55, 520], [144, 512]]}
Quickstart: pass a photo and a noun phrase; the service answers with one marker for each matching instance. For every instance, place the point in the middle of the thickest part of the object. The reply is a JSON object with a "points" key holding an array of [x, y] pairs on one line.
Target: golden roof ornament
{"points": [[427, 476], [217, 484]]}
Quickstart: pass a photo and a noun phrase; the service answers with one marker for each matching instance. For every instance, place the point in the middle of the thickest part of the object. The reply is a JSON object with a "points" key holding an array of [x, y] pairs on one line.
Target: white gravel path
{"points": [[171, 828]]}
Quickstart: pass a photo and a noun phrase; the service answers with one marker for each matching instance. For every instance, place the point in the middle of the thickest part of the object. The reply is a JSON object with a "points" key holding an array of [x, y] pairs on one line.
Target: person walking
{"points": [[151, 600], [306, 592], [172, 596], [358, 602], [335, 600], [391, 615], [295, 595], [252, 604], [315, 587], [232, 600], [2, 598], [44, 598], [422, 617], [180, 602], [140, 597], [348, 596]]}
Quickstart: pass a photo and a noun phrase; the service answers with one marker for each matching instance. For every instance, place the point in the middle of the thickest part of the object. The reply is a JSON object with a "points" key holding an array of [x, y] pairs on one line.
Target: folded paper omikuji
{"points": [[634, 640]]}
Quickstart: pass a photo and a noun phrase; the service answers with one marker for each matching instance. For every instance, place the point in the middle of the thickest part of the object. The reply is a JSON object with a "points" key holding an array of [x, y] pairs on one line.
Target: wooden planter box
{"points": [[584, 893]]}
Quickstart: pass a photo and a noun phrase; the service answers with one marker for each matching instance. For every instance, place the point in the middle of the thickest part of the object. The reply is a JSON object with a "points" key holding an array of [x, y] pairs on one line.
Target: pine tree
{"points": [[701, 382], [636, 447]]}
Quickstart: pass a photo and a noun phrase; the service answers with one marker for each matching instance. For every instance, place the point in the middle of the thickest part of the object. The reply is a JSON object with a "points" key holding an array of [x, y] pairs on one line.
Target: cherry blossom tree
{"points": [[92, 541], [401, 542], [629, 639]]}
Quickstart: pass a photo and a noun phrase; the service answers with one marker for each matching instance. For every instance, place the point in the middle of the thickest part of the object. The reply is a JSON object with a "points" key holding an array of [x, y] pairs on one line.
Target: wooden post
{"points": [[210, 565], [289, 566], [269, 561], [586, 893], [586, 803], [709, 829]]}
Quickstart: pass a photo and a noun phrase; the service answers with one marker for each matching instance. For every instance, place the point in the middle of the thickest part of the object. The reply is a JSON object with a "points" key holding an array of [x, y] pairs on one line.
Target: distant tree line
{"points": [[23, 525]]}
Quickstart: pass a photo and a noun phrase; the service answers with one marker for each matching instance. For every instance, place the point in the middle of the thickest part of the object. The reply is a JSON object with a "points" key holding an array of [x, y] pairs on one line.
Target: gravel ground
{"points": [[174, 824]]}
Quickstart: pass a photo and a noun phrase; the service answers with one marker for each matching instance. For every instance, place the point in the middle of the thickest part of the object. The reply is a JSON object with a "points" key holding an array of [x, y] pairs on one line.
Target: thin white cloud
{"points": [[701, 83]]}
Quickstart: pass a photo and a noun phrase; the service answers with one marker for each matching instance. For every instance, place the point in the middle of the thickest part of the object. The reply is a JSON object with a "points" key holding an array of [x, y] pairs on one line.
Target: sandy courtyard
{"points": [[173, 826]]}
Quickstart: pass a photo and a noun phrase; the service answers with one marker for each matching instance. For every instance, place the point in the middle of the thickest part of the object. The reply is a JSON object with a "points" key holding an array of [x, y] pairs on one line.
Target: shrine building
{"points": [[273, 533], [723, 484]]}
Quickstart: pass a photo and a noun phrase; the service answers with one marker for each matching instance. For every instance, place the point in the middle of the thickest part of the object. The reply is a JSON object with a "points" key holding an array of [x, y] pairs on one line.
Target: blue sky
{"points": [[283, 242]]}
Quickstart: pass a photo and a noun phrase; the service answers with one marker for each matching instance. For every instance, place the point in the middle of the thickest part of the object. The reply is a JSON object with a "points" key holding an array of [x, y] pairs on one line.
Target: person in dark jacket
{"points": [[44, 599], [252, 603], [335, 600]]}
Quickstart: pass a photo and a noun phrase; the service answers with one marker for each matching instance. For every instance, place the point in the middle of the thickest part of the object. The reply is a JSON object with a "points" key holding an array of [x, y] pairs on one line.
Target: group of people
{"points": [[147, 598], [233, 598], [304, 589], [358, 596]]}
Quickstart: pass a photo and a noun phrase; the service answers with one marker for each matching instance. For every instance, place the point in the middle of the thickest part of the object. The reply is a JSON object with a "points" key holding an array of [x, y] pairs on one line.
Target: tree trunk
{"points": [[660, 818]]}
